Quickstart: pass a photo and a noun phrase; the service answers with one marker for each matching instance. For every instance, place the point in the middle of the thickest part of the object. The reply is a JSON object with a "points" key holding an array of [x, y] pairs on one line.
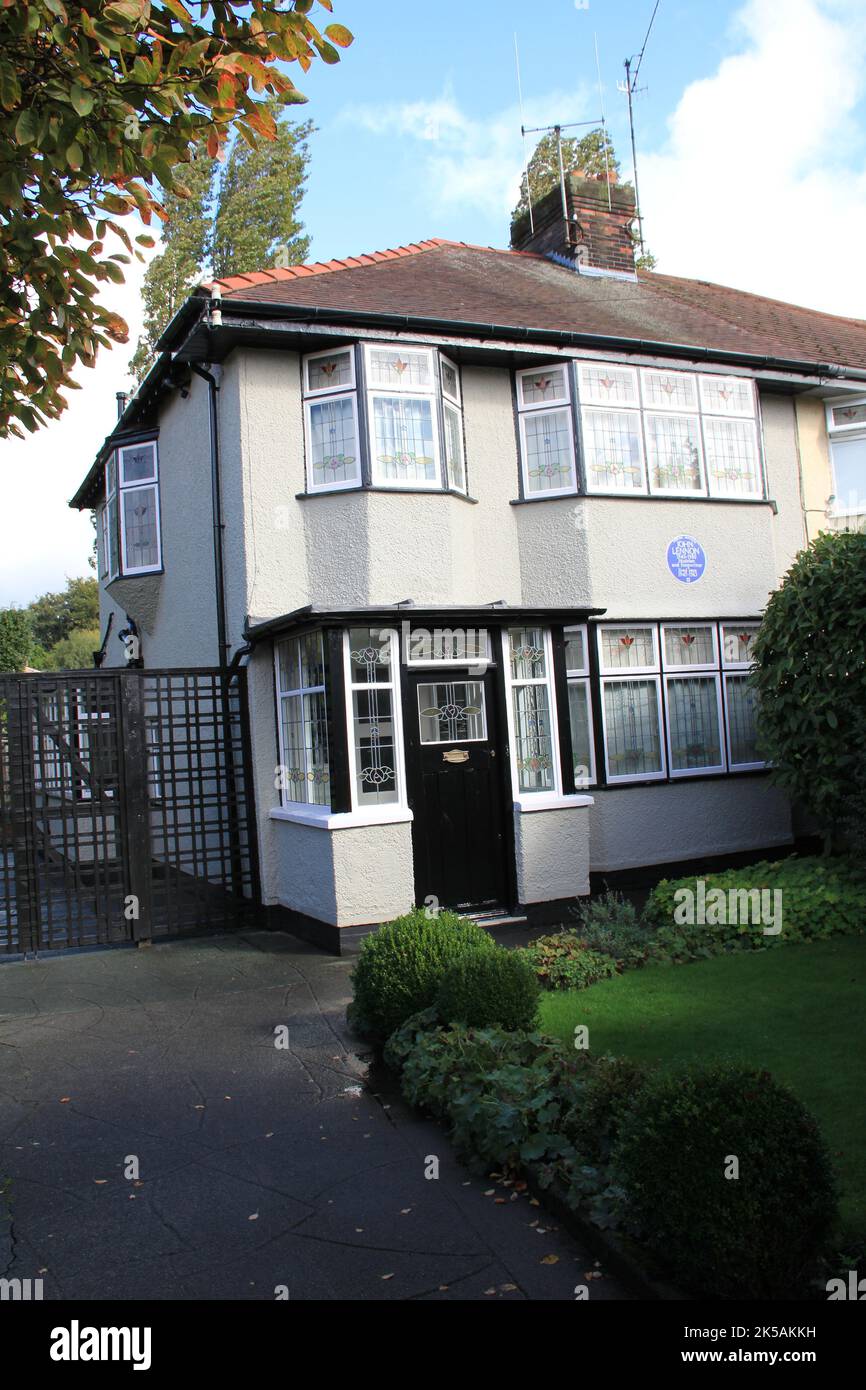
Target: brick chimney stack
{"points": [[597, 234]]}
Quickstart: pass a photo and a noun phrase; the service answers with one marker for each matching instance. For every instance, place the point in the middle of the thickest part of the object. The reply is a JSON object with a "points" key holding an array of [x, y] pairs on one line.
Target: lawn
{"points": [[798, 1011]]}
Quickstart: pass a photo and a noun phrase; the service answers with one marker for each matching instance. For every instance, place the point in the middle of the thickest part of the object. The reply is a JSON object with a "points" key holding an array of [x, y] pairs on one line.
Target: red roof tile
{"points": [[459, 283]]}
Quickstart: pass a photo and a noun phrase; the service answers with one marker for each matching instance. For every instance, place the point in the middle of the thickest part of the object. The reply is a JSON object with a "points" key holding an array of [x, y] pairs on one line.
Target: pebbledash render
{"points": [[492, 532]]}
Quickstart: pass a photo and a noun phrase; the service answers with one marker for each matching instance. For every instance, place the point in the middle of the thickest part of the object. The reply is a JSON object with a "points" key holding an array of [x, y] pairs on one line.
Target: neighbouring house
{"points": [[492, 531]]}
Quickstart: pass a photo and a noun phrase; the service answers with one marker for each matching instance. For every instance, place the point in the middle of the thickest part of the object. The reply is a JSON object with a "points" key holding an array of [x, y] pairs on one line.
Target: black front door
{"points": [[453, 756]]}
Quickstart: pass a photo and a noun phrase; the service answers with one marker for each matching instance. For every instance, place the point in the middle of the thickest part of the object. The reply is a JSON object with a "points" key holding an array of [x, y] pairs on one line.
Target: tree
{"points": [[73, 653], [53, 616], [99, 106], [593, 153], [16, 639], [240, 218], [810, 680]]}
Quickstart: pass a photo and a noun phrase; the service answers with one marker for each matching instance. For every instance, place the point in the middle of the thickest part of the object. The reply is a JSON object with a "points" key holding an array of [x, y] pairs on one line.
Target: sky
{"points": [[751, 138]]}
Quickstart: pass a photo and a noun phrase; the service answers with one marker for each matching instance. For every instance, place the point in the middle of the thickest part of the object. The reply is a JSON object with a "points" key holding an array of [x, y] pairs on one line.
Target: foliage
{"points": [[243, 217], [564, 961], [400, 967], [612, 925], [72, 653], [754, 1235], [608, 1087], [821, 897], [810, 675], [55, 616], [16, 639], [593, 153], [99, 106], [490, 989]]}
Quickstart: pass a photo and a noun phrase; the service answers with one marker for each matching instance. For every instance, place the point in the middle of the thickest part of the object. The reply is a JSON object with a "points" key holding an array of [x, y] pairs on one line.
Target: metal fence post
{"points": [[139, 854]]}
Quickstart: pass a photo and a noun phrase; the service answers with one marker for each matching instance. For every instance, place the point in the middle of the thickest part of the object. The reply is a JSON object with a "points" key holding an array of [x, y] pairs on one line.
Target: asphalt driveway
{"points": [[193, 1121]]}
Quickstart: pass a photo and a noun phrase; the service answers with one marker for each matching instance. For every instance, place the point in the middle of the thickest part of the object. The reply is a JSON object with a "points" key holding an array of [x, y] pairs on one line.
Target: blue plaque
{"points": [[686, 559]]}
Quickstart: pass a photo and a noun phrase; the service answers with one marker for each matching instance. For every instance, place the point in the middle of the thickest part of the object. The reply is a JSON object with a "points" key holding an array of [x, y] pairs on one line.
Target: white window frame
{"points": [[588, 399], [676, 414], [625, 671], [151, 484], [738, 673], [853, 434], [448, 662], [454, 403], [696, 666], [342, 388], [624, 676], [442, 679], [385, 810], [698, 673], [510, 684], [714, 491], [457, 398], [592, 409], [732, 664], [575, 675], [563, 405], [298, 692], [111, 495], [704, 378], [832, 404], [656, 408], [321, 399], [424, 393]]}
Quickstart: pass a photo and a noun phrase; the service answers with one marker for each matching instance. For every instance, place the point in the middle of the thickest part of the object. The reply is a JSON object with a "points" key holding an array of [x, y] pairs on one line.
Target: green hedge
{"points": [[490, 989], [820, 897]]}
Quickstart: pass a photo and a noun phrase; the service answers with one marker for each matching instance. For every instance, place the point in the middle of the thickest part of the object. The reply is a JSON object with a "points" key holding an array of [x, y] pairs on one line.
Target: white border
{"points": [[621, 671], [701, 489], [712, 769], [617, 779], [547, 680], [591, 488], [394, 685], [558, 403], [342, 387], [308, 429], [541, 494], [422, 484], [137, 482], [125, 568], [698, 666], [759, 462], [662, 409]]}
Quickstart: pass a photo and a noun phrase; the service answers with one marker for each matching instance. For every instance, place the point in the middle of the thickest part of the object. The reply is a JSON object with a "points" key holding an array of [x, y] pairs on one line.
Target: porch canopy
{"points": [[497, 614]]}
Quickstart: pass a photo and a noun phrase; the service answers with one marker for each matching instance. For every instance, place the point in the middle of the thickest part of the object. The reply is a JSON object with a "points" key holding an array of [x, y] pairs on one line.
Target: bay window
{"points": [[532, 734], [404, 435], [546, 428], [372, 683], [129, 519], [846, 427], [331, 414], [303, 721], [580, 706]]}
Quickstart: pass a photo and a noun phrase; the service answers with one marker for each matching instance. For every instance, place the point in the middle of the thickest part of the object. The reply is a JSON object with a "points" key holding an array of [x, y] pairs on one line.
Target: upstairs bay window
{"points": [[546, 431], [414, 419], [129, 520]]}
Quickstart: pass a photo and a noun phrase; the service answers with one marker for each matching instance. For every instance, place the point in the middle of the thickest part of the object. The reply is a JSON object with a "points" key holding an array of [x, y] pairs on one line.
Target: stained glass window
{"points": [[454, 459], [727, 395], [139, 528], [549, 386], [531, 698], [737, 642], [580, 723], [405, 449], [694, 724], [304, 774], [689, 646], [548, 451], [372, 684], [669, 390], [330, 371], [399, 368], [674, 456], [613, 450], [138, 463], [743, 749], [602, 383], [130, 519], [733, 462], [333, 442], [628, 648], [452, 712], [632, 722]]}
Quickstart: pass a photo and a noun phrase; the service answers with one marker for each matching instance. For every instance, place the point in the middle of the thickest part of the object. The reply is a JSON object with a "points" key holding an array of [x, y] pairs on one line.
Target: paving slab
{"points": [[195, 1120]]}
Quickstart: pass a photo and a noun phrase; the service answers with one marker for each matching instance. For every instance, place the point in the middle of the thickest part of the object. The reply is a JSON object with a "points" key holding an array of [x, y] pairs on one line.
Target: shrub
{"points": [[564, 961], [400, 966], [753, 1236], [810, 676], [820, 897], [490, 989], [603, 1092], [612, 925]]}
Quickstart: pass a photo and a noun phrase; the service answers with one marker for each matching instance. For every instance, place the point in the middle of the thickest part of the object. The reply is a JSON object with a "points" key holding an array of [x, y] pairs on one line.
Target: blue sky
{"points": [[751, 138]]}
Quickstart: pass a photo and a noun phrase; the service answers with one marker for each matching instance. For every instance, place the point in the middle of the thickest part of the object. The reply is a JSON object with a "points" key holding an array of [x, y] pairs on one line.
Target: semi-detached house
{"points": [[492, 531]]}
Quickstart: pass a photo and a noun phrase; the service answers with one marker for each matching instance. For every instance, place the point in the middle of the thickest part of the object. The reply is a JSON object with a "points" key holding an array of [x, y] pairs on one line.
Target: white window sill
{"points": [[548, 801], [320, 818]]}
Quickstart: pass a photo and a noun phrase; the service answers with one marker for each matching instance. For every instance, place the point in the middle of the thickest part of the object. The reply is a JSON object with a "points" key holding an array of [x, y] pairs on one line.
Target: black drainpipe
{"points": [[216, 499]]}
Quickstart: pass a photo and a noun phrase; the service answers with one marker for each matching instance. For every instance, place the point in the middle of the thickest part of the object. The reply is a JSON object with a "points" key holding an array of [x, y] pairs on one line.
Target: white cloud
{"points": [[41, 541], [468, 161], [762, 183]]}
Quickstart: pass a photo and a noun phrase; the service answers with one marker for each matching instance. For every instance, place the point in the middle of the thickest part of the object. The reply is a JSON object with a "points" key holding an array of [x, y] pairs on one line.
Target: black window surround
{"points": [[129, 517]]}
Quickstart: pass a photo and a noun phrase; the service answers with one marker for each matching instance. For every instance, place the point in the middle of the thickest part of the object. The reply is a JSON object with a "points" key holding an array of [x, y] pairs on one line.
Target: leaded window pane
{"points": [[451, 712], [464, 645], [334, 442], [454, 447], [404, 449], [312, 660], [849, 475], [400, 369], [288, 673], [689, 646], [533, 738], [693, 716], [603, 384], [450, 379], [575, 651], [612, 444], [549, 450], [328, 373], [632, 738], [528, 660], [370, 656], [727, 395], [581, 742], [375, 748], [669, 390], [846, 416], [742, 721], [140, 528], [544, 387], [733, 466], [113, 539], [674, 452], [305, 771], [138, 463], [625, 647], [737, 642]]}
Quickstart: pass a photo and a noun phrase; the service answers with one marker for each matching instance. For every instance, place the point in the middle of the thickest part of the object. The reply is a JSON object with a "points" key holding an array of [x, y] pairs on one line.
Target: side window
{"points": [[138, 501], [331, 420], [546, 428], [846, 426]]}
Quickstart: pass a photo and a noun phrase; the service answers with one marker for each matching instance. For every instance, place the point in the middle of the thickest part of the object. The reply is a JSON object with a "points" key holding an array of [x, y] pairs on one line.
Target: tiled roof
{"points": [[453, 281]]}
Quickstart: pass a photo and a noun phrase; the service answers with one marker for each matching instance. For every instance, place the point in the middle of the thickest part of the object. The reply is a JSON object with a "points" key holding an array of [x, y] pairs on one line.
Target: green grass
{"points": [[799, 1012]]}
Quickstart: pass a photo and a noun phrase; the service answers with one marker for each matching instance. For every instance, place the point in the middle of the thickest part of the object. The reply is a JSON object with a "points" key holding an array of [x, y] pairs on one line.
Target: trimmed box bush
{"points": [[400, 967], [756, 1235], [490, 989]]}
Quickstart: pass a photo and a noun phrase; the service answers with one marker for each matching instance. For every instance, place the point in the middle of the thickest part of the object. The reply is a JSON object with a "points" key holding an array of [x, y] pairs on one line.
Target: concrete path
{"points": [[258, 1166]]}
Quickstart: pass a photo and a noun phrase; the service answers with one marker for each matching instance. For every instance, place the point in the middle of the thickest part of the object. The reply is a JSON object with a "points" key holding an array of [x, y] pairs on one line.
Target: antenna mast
{"points": [[557, 131], [630, 88]]}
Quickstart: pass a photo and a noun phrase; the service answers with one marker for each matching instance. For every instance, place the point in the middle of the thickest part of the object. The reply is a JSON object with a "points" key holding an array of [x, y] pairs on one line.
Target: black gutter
{"points": [[216, 503], [520, 333]]}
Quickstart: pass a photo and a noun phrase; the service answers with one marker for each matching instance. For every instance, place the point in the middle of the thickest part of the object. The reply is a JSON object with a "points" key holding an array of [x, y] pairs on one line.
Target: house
{"points": [[491, 531]]}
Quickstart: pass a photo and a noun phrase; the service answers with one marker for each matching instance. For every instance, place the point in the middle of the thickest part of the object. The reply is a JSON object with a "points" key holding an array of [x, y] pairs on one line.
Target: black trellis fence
{"points": [[125, 807]]}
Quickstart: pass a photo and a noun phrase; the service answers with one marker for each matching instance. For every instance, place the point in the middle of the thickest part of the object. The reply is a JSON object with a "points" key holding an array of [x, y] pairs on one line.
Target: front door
{"points": [[455, 789]]}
